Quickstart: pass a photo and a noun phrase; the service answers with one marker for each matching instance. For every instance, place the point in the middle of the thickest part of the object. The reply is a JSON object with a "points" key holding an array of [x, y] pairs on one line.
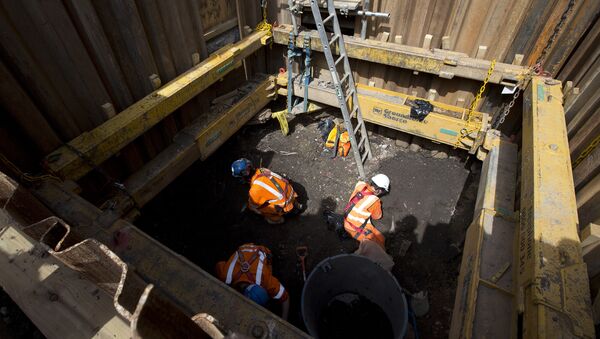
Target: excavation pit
{"points": [[428, 209]]}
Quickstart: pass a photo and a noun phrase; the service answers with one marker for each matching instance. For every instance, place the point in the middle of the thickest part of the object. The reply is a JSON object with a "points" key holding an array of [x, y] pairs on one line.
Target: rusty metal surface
{"points": [[150, 314]]}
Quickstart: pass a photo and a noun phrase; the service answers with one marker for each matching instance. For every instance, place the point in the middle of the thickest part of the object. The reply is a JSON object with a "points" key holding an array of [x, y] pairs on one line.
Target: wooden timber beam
{"points": [[197, 141], [104, 141], [445, 124], [552, 277], [446, 64]]}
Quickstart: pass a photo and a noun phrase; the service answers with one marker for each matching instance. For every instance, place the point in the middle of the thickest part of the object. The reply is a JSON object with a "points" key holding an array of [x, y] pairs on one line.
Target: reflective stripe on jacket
{"points": [[251, 264], [358, 220], [270, 194]]}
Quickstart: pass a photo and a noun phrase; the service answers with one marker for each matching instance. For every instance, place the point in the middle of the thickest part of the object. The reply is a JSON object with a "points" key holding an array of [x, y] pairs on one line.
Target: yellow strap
{"points": [[466, 132], [282, 118]]}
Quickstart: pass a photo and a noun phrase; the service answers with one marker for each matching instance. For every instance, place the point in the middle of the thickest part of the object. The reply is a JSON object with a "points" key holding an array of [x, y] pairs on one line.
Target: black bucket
{"points": [[349, 295]]}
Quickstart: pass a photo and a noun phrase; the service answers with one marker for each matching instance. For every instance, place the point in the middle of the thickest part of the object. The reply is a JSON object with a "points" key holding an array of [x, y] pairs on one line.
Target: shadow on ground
{"points": [[431, 204]]}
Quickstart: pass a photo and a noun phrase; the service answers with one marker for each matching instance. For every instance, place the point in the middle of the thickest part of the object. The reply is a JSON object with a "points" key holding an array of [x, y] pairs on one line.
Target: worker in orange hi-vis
{"points": [[249, 271], [364, 205], [270, 195]]}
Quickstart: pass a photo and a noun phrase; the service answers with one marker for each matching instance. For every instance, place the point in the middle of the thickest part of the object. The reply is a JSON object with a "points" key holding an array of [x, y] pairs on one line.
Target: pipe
{"points": [[374, 14], [363, 29], [307, 69], [349, 286]]}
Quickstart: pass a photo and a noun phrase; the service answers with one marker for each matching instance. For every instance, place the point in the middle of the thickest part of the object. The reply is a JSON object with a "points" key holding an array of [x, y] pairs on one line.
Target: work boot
{"points": [[298, 208]]}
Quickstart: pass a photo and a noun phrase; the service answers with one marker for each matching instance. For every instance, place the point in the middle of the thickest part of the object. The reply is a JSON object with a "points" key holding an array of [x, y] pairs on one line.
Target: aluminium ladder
{"points": [[344, 87]]}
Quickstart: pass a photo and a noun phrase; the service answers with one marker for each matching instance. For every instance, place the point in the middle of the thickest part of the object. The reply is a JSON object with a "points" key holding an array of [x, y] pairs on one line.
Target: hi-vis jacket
{"points": [[251, 264], [270, 194], [363, 207]]}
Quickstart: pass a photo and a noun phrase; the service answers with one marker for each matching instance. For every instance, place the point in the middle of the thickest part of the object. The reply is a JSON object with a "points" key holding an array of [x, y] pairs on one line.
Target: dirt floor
{"points": [[431, 204]]}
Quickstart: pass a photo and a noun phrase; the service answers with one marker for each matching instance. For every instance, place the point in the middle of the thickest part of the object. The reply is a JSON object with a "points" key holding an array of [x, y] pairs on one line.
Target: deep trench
{"points": [[430, 203]]}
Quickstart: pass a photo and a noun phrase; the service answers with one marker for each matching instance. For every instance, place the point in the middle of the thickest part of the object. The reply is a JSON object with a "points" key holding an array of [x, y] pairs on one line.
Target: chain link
{"points": [[464, 133], [481, 90], [587, 151], [537, 67]]}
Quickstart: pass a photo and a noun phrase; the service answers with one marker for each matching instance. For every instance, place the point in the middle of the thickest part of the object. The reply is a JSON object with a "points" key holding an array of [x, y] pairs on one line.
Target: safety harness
{"points": [[281, 191], [246, 265], [353, 201]]}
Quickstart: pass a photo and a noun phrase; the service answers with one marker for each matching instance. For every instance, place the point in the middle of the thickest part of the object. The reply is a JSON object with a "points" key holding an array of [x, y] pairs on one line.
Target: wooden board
{"points": [[52, 295]]}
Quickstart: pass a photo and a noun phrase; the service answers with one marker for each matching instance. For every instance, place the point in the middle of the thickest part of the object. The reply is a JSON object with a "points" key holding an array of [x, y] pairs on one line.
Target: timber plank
{"points": [[54, 297]]}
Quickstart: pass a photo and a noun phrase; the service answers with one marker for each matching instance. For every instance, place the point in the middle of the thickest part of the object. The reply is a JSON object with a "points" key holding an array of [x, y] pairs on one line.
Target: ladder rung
{"points": [[354, 110], [339, 59], [328, 18], [364, 156], [351, 93], [357, 127], [335, 37], [362, 141], [345, 78]]}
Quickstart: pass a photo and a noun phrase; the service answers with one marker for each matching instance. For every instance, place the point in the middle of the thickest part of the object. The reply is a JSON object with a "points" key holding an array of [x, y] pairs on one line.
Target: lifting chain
{"points": [[537, 67], [481, 90], [587, 151], [264, 25], [464, 133]]}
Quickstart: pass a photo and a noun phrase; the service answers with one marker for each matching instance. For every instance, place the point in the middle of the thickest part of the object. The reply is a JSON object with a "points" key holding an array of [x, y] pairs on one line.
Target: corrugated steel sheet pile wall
{"points": [[67, 66], [65, 63]]}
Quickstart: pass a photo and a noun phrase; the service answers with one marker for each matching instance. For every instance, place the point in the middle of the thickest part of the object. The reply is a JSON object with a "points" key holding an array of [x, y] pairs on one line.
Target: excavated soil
{"points": [[429, 208]]}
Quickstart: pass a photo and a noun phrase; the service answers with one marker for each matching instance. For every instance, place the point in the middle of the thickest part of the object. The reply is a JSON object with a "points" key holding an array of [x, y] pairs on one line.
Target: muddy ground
{"points": [[431, 204]]}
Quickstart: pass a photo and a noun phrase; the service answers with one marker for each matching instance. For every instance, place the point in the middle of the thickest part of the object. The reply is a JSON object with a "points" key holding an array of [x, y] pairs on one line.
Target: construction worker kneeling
{"points": [[270, 194], [364, 205], [249, 270]]}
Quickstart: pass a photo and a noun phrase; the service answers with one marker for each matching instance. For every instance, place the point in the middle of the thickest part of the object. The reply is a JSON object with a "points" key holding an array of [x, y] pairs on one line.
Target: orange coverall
{"points": [[270, 195], [252, 264], [357, 222]]}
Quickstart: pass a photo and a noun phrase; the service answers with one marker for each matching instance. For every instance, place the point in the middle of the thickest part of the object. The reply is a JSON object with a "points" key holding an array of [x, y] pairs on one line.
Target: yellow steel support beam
{"points": [[446, 124], [107, 139], [197, 141], [553, 281], [487, 271], [446, 64]]}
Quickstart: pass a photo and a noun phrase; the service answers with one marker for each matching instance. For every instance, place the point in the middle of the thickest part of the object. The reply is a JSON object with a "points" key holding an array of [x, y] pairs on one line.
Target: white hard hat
{"points": [[382, 181]]}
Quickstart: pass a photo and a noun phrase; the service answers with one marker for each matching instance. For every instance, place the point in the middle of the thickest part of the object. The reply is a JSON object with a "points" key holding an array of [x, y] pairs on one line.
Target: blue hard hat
{"points": [[241, 168], [257, 294]]}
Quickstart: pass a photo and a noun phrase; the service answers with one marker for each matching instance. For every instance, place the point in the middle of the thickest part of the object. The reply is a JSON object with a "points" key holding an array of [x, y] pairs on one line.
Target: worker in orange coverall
{"points": [[364, 205], [270, 195], [249, 271]]}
